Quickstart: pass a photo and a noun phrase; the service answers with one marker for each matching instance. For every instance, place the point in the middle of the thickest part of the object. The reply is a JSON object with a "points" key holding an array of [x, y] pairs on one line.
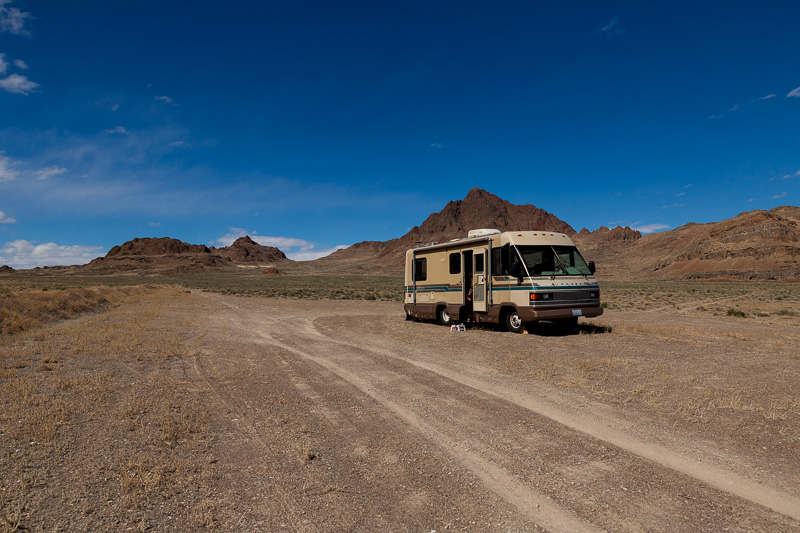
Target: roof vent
{"points": [[482, 232]]}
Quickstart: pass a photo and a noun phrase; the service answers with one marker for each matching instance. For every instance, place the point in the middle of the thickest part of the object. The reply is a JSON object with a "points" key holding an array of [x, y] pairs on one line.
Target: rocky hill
{"points": [[480, 209], [246, 250], [166, 256], [752, 245]]}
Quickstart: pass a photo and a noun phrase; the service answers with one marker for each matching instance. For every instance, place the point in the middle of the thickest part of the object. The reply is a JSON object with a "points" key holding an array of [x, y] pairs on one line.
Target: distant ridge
{"points": [[754, 245], [167, 256], [757, 245], [246, 250], [480, 209]]}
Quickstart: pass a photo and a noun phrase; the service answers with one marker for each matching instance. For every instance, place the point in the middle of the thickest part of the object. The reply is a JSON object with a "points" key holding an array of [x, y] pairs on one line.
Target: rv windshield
{"points": [[554, 261]]}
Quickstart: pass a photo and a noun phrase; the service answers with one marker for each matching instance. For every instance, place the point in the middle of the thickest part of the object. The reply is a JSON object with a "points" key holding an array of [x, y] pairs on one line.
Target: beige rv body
{"points": [[474, 278]]}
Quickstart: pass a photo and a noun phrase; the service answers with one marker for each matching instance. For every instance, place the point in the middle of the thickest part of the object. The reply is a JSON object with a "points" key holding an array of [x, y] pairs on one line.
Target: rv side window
{"points": [[420, 269], [455, 263], [479, 263], [499, 267]]}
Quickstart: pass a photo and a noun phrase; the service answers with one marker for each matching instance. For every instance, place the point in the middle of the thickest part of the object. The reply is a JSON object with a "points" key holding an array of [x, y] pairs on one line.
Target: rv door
{"points": [[479, 266]]}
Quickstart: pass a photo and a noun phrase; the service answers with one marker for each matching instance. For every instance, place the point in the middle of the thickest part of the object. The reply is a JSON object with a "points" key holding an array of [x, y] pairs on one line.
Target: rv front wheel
{"points": [[444, 316], [514, 322]]}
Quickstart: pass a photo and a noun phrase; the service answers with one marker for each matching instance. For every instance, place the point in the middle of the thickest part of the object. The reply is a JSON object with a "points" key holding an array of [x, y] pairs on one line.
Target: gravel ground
{"points": [[294, 415]]}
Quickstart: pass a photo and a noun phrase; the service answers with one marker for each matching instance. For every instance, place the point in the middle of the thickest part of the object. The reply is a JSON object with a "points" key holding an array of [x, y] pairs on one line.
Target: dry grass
{"points": [[114, 377], [23, 310]]}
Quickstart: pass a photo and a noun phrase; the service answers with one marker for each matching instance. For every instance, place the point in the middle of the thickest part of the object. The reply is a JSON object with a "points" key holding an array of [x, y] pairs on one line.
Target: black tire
{"points": [[409, 317], [444, 316], [514, 322]]}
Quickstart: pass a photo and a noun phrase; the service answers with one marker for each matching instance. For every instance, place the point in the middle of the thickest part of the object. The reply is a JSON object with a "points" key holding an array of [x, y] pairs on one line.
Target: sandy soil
{"points": [[342, 416]]}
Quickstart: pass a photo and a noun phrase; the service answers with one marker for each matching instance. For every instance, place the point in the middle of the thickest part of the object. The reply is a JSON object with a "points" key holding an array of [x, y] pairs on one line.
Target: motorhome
{"points": [[510, 278]]}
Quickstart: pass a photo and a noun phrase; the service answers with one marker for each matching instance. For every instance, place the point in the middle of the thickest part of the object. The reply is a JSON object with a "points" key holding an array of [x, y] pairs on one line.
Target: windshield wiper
{"points": [[561, 264]]}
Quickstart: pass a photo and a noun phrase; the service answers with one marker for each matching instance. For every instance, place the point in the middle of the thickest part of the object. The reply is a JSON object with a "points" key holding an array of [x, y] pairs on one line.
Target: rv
{"points": [[510, 278]]}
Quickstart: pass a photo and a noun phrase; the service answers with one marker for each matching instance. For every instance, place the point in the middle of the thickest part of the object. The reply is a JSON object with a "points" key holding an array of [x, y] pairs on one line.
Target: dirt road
{"points": [[341, 416]]}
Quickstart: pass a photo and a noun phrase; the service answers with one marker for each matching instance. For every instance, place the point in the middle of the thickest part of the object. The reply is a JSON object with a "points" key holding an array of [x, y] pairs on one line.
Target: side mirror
{"points": [[592, 268], [516, 270]]}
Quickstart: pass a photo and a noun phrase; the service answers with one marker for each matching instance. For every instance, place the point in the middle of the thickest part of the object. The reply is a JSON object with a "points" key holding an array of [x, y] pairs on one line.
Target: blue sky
{"points": [[315, 125]]}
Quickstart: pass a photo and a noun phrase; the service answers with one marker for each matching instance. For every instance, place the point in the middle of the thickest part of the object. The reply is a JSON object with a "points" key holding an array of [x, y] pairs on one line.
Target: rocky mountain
{"points": [[166, 256], [480, 209], [752, 245], [246, 250]]}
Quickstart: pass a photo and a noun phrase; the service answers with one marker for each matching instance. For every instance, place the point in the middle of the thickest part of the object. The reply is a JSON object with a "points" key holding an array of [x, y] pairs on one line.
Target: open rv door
{"points": [[479, 300]]}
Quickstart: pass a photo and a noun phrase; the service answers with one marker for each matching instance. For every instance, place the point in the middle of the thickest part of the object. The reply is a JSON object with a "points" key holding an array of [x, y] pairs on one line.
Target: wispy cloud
{"points": [[296, 249], [165, 99], [790, 176], [20, 64], [119, 130], [12, 20], [25, 254], [155, 224], [18, 84], [794, 93], [436, 146], [613, 27], [651, 228], [672, 206], [5, 219], [48, 172], [7, 170], [768, 97], [779, 196]]}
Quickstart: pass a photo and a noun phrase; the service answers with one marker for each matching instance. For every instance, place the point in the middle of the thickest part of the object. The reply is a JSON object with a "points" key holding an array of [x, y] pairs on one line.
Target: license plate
{"points": [[577, 312]]}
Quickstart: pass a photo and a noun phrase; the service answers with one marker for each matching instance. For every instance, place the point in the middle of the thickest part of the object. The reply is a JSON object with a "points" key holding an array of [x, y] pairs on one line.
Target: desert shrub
{"points": [[786, 312], [736, 312]]}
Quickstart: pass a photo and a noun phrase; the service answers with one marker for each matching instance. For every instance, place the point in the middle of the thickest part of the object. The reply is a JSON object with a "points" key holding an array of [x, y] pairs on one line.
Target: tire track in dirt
{"points": [[300, 336], [536, 506], [606, 431], [230, 400], [539, 508]]}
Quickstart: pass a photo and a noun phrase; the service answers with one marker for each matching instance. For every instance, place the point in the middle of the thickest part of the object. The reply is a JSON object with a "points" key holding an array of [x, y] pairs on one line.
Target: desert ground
{"points": [[172, 408]]}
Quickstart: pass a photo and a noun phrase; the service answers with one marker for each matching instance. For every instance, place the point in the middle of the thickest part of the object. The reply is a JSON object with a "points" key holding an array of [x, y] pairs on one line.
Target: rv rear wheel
{"points": [[514, 322], [444, 316]]}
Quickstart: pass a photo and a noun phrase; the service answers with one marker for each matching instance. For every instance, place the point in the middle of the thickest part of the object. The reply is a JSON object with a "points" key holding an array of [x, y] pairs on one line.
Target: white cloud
{"points": [[7, 173], [155, 224], [165, 99], [311, 255], [18, 84], [3, 64], [794, 93], [436, 146], [24, 254], [789, 176], [119, 130], [114, 107], [45, 173], [20, 64], [767, 97], [5, 219], [779, 196], [296, 249], [612, 28], [12, 20], [651, 228]]}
